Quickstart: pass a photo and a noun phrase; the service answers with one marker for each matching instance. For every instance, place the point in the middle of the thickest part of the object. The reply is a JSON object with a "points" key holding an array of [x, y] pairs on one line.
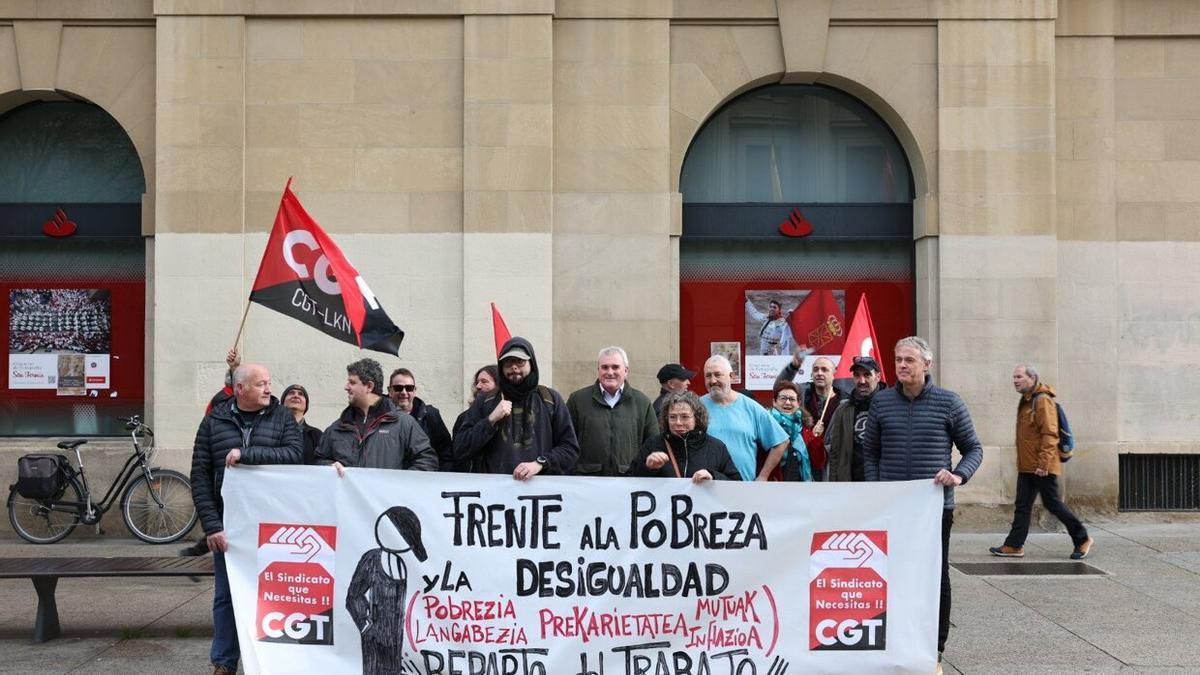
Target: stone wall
{"points": [[528, 153]]}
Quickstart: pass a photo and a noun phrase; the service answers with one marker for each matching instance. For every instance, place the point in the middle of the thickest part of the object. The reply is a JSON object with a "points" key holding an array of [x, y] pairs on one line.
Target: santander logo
{"points": [[59, 225], [796, 225]]}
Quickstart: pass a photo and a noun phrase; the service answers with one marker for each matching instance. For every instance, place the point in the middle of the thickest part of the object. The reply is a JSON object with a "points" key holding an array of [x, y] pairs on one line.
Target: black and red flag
{"points": [[305, 276]]}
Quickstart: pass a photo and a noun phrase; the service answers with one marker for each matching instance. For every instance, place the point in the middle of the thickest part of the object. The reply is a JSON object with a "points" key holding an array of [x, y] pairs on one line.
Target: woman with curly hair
{"points": [[684, 449]]}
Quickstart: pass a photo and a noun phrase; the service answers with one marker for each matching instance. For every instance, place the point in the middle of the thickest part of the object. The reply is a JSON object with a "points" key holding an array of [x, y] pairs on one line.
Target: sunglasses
{"points": [[410, 388]]}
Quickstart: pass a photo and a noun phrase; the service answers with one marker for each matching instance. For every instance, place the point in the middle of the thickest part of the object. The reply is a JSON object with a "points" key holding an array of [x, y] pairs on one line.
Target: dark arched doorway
{"points": [[802, 196], [72, 271]]}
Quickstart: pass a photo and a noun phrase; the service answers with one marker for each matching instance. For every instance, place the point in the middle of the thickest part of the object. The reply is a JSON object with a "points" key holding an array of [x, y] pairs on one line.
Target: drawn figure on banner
{"points": [[379, 591]]}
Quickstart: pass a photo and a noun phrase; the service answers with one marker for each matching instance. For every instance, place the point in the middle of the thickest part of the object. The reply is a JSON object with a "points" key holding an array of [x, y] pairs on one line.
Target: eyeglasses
{"points": [[787, 399], [410, 388], [680, 418]]}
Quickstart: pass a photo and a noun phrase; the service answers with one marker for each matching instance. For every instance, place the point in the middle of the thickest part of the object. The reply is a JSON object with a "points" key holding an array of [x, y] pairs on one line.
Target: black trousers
{"points": [[944, 599], [1029, 486]]}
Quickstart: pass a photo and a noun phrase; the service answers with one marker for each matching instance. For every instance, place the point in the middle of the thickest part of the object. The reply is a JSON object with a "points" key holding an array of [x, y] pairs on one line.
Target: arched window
{"points": [[792, 144], [67, 152], [72, 271], [797, 204]]}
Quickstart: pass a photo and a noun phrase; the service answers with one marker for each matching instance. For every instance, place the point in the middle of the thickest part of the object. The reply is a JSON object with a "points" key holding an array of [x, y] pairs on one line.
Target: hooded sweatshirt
{"points": [[539, 426]]}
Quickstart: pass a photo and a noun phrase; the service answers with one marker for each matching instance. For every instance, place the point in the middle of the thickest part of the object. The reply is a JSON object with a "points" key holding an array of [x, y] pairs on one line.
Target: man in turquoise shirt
{"points": [[740, 422]]}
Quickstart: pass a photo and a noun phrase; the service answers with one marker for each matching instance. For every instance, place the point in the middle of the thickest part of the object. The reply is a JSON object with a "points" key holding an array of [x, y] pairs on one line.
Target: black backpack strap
{"points": [[546, 395]]}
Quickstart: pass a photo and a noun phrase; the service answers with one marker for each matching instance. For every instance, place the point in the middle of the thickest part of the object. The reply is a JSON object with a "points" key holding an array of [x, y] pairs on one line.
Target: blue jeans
{"points": [[225, 650]]}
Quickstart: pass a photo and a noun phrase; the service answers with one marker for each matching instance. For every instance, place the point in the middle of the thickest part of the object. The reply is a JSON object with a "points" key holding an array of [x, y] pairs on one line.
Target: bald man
{"points": [[250, 428]]}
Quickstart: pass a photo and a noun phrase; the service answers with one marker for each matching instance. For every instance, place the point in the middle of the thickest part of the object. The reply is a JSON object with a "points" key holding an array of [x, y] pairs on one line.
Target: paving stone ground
{"points": [[1143, 616]]}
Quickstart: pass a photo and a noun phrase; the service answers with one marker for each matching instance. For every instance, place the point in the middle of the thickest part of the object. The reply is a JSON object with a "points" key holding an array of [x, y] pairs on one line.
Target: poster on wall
{"points": [[733, 352], [47, 324], [778, 322], [70, 375]]}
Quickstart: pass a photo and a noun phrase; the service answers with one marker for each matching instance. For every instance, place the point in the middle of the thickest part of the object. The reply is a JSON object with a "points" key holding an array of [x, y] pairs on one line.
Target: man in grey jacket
{"points": [[371, 433], [910, 432]]}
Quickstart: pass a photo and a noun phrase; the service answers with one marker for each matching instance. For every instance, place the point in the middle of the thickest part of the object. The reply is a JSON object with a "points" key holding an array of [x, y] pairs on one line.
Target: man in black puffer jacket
{"points": [[252, 428], [909, 435]]}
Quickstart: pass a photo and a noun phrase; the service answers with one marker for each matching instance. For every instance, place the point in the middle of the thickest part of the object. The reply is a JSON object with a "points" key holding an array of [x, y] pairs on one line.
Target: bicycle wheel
{"points": [[150, 522], [45, 521]]}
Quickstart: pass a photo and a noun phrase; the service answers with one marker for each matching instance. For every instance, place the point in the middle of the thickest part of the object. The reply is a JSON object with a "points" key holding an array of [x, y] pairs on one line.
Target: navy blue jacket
{"points": [[909, 439], [272, 437]]}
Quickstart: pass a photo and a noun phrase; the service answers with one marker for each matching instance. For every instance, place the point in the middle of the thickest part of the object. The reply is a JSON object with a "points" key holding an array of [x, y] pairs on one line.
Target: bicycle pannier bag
{"points": [[40, 476]]}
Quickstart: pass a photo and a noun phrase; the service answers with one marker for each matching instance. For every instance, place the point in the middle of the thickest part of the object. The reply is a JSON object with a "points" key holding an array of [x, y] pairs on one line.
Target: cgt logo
{"points": [[59, 226], [298, 627], [848, 590], [320, 273], [850, 633]]}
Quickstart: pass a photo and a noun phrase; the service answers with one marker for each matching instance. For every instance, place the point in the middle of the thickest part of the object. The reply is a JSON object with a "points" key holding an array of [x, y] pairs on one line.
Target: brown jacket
{"points": [[1037, 432]]}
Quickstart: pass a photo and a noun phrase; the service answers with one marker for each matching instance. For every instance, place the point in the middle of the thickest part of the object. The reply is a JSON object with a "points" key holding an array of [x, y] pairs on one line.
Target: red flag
{"points": [[860, 341], [499, 330], [819, 323], [304, 275]]}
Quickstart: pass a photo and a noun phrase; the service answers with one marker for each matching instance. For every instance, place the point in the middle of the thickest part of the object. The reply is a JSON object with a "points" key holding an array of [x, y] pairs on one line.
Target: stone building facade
{"points": [[528, 153]]}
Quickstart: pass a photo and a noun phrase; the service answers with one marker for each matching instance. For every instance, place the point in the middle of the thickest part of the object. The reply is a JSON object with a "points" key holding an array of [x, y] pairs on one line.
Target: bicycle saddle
{"points": [[71, 445]]}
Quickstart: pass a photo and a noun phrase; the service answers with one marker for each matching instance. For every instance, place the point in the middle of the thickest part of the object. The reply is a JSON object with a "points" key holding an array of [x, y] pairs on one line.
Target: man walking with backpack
{"points": [[1038, 466]]}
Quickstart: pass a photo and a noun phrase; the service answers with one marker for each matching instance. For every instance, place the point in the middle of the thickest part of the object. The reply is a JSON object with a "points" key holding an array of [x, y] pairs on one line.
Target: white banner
{"points": [[403, 572]]}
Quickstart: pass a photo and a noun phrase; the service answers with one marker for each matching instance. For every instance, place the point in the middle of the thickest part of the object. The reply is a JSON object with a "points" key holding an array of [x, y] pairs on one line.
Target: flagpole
{"points": [[245, 313], [823, 409]]}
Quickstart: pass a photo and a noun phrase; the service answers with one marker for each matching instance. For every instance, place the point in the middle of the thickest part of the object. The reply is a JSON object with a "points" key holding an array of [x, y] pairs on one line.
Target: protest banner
{"points": [[392, 572]]}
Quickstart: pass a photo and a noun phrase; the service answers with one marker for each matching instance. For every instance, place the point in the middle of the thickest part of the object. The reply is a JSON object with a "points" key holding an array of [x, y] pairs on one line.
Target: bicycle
{"points": [[156, 503]]}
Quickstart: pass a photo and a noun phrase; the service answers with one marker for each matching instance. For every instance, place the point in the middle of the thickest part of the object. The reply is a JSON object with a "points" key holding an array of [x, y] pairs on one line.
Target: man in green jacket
{"points": [[612, 419]]}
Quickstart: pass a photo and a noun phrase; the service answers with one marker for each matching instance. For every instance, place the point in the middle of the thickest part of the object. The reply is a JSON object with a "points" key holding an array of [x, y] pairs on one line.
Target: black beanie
{"points": [[299, 388]]}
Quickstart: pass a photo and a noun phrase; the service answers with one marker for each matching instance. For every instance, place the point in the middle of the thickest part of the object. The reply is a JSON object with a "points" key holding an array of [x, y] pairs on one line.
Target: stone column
{"points": [[508, 141], [613, 254], [198, 203], [1089, 335], [997, 261]]}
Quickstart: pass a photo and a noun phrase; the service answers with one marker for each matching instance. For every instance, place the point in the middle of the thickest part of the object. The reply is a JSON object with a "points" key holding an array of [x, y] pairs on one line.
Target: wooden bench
{"points": [[45, 573]]}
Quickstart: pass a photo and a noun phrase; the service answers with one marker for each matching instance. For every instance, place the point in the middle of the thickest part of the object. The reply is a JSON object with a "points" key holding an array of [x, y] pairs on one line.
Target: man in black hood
{"points": [[843, 443], [522, 428]]}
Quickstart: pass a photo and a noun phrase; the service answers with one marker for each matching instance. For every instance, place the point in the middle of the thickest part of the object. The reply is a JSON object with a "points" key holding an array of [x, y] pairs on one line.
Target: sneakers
{"points": [[1082, 550], [1007, 551], [223, 670]]}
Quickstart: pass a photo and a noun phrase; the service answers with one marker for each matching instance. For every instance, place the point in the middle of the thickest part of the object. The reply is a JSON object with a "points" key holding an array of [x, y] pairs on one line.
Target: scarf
{"points": [[794, 428]]}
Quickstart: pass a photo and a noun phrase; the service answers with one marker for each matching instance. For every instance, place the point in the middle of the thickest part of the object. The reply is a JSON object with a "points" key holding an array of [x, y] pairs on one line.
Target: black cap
{"points": [[865, 362], [674, 371], [298, 388]]}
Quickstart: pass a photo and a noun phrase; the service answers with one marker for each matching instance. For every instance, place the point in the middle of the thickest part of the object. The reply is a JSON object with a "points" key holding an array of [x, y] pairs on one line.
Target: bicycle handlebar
{"points": [[134, 423]]}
